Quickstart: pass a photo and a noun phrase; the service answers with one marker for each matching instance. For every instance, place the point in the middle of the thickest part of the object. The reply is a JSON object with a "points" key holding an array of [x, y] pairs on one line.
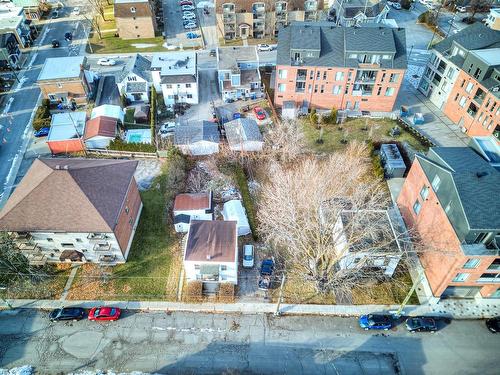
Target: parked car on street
{"points": [[43, 132], [493, 324], [188, 16], [213, 53], [461, 9], [67, 313], [191, 35], [104, 313], [106, 61], [68, 36], [75, 11], [264, 47], [396, 6], [375, 321], [421, 324], [248, 256], [189, 26], [259, 113], [55, 43]]}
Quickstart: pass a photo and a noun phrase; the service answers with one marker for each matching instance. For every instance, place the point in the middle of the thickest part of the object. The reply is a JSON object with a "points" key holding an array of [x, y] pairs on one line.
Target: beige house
{"points": [[135, 19], [260, 19]]}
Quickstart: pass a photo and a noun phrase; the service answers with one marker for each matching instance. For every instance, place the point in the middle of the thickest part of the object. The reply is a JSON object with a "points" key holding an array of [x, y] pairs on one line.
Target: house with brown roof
{"points": [[74, 210], [195, 206], [100, 131], [134, 19], [211, 252]]}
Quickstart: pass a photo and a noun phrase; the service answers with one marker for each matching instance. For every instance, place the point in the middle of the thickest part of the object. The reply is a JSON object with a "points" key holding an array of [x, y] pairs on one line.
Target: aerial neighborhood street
{"points": [[254, 187]]}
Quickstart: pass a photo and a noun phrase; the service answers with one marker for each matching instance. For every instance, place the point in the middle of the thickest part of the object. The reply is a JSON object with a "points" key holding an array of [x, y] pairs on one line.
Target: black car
{"points": [[421, 324], [493, 324], [68, 36], [213, 53], [55, 43], [67, 313], [267, 267]]}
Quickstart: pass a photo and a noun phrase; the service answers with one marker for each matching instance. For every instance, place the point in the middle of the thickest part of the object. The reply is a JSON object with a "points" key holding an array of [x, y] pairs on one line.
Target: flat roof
{"points": [[228, 57], [175, 63], [52, 68], [490, 56], [67, 125]]}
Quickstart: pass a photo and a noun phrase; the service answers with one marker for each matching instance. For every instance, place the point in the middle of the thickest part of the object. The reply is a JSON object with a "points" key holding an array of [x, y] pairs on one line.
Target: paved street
{"points": [[212, 343], [19, 106]]}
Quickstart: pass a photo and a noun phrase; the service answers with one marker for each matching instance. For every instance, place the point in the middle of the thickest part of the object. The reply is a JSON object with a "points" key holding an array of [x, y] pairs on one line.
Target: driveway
{"points": [[188, 343]]}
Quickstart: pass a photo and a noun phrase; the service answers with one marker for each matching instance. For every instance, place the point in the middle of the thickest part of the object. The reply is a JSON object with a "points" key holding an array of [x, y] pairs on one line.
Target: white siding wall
{"points": [[182, 91], [248, 146], [51, 243], [195, 215], [98, 142], [229, 275], [200, 148]]}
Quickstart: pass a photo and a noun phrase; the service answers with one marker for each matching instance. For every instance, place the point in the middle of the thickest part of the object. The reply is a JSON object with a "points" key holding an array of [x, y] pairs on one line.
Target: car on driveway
{"points": [[191, 35], [187, 16], [104, 313], [493, 324], [266, 272], [375, 321], [67, 313], [43, 132], [264, 47], [248, 256], [259, 113], [55, 43], [421, 324], [190, 25], [55, 14], [213, 53], [104, 61], [167, 129]]}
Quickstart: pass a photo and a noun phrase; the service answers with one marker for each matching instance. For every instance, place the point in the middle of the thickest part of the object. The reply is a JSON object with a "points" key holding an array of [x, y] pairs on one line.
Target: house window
{"points": [[78, 240], [389, 91], [339, 76], [48, 239], [281, 87], [337, 89], [169, 86], [133, 79], [353, 56], [471, 263], [469, 87], [188, 85], [68, 244], [282, 73], [196, 266], [436, 181], [424, 192], [451, 73], [417, 206], [379, 90], [322, 89], [394, 77], [190, 96], [318, 74], [386, 57], [315, 89], [223, 268], [460, 277], [495, 265], [346, 91], [462, 101], [311, 74], [490, 277], [324, 75], [132, 9]]}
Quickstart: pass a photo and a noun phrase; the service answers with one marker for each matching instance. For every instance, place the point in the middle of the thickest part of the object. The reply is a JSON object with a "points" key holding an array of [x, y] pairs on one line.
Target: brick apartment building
{"points": [[462, 78], [450, 198], [135, 19], [64, 85], [321, 66], [260, 19]]}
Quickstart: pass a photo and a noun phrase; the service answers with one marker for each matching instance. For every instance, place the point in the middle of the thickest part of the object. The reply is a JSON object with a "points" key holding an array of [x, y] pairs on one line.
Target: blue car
{"points": [[192, 35], [43, 132], [373, 321], [236, 115]]}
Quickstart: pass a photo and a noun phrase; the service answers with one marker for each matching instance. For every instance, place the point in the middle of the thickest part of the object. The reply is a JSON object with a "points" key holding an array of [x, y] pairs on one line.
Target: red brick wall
{"points": [[442, 256], [478, 125], [126, 221], [327, 100]]}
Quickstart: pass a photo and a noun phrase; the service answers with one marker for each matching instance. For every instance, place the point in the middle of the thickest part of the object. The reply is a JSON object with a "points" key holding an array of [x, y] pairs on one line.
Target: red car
{"points": [[104, 313], [186, 3], [259, 113]]}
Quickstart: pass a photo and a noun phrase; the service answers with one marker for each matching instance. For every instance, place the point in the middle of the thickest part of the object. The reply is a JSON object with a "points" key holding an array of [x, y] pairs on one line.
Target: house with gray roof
{"points": [[197, 138], [450, 198], [134, 81], [243, 134], [462, 78], [358, 12]]}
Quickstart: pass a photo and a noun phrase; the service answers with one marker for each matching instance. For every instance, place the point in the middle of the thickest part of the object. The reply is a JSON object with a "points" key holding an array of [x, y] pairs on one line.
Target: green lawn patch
{"points": [[112, 44], [361, 129]]}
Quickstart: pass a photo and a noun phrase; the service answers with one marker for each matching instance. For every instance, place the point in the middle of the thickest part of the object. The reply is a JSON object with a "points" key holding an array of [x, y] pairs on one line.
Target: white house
{"points": [[243, 134], [134, 80], [198, 138], [108, 110], [234, 211], [211, 252], [175, 75], [187, 207]]}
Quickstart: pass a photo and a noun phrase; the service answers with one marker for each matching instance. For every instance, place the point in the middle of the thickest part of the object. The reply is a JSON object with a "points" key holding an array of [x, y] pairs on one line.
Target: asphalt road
{"points": [[18, 106], [191, 343]]}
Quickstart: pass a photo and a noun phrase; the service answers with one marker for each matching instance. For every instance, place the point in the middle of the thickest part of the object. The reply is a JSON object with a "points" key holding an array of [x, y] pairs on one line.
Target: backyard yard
{"points": [[336, 137]]}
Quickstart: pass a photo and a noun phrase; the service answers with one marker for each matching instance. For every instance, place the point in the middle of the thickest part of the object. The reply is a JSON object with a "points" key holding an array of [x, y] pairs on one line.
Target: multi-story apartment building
{"points": [[261, 18], [322, 66], [357, 12], [135, 19], [74, 210], [238, 73], [175, 74], [15, 34], [450, 199], [462, 78]]}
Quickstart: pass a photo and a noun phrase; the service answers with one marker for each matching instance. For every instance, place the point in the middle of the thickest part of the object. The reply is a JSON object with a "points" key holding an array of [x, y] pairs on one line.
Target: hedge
{"points": [[120, 145]]}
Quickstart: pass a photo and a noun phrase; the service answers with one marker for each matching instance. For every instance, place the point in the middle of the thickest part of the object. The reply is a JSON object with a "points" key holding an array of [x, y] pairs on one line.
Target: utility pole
{"points": [[278, 312]]}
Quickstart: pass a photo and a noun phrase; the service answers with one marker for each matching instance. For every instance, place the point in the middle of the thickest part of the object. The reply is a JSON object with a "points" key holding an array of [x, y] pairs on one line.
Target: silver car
{"points": [[248, 256]]}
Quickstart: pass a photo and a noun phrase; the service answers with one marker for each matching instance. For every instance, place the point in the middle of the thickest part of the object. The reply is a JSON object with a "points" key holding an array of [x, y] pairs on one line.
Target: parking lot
{"points": [[175, 33]]}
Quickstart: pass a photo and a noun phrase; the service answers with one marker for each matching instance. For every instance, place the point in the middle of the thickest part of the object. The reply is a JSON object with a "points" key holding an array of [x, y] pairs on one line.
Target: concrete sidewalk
{"points": [[465, 309]]}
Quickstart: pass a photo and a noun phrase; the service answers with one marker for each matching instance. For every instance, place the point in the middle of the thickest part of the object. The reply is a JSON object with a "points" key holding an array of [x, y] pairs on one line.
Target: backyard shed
{"points": [[199, 138], [289, 110], [100, 131], [108, 110], [243, 134], [66, 132], [234, 211]]}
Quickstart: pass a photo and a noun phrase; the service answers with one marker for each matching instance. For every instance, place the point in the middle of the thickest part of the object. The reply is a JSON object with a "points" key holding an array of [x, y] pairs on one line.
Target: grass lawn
{"points": [[300, 291], [353, 129], [236, 42], [155, 261]]}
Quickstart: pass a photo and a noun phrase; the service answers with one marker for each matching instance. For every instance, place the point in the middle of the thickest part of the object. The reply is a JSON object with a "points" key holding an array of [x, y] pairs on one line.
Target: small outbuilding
{"points": [[243, 134], [234, 211], [200, 138], [195, 206], [66, 132], [108, 110], [289, 110], [100, 131]]}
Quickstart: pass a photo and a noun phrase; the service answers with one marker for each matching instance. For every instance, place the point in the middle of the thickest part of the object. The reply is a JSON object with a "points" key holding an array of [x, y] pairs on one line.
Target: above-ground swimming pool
{"points": [[138, 136]]}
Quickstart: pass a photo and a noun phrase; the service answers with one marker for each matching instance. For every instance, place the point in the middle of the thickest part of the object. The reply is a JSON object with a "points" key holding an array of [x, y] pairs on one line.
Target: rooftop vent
{"points": [[482, 174]]}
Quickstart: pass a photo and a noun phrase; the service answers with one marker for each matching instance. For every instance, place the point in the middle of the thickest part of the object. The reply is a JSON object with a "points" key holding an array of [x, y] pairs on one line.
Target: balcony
{"points": [[102, 246], [107, 259], [366, 76], [480, 96], [229, 18], [20, 237], [228, 9], [257, 26], [301, 75], [97, 237]]}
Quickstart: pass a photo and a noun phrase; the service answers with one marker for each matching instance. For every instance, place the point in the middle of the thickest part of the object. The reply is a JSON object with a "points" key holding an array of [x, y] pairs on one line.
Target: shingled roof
{"points": [[69, 195]]}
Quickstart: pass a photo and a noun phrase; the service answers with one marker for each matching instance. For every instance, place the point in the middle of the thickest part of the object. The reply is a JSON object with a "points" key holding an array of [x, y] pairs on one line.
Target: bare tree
{"points": [[95, 25], [478, 6], [318, 214], [98, 6], [285, 140]]}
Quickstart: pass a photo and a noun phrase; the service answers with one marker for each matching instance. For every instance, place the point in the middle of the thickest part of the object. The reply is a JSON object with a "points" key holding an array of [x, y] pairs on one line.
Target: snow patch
{"points": [[23, 370]]}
